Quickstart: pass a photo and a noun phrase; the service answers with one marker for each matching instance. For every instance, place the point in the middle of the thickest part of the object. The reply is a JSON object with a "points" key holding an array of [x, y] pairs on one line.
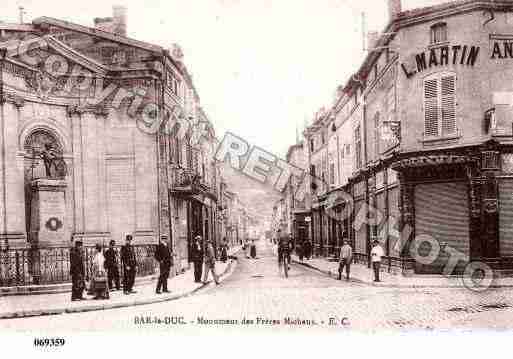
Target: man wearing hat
{"points": [[346, 257], [210, 262], [111, 264], [163, 256], [129, 264], [376, 254], [197, 258], [77, 271]]}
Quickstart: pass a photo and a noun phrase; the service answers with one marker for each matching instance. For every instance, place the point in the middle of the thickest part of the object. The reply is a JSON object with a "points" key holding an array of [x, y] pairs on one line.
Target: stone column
{"points": [[12, 191]]}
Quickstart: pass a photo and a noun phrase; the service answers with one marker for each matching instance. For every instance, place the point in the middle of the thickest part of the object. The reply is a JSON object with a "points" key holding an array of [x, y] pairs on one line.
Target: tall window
{"points": [[358, 147], [439, 33], [332, 173], [376, 135], [391, 104], [440, 105], [312, 148]]}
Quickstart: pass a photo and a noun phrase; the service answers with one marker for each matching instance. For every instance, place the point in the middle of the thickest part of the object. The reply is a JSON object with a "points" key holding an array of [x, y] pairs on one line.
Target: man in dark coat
{"points": [[77, 271], [129, 264], [197, 258], [163, 256], [111, 264]]}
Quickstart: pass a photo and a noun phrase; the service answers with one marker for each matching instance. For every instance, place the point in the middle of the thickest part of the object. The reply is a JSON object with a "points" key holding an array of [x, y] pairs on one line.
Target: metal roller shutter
{"points": [[506, 217], [441, 210]]}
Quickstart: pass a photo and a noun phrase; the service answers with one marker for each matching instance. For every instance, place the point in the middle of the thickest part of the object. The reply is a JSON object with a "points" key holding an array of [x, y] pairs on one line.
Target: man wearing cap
{"points": [[77, 271], [376, 254], [210, 262], [197, 258], [346, 257], [129, 264], [111, 264], [163, 256]]}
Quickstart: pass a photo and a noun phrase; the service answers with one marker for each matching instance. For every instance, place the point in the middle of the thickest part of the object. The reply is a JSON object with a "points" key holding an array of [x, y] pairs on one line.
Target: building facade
{"points": [[91, 150], [420, 138]]}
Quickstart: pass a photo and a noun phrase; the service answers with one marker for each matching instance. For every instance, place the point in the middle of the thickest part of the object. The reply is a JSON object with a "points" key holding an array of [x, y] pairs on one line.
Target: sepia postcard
{"points": [[270, 167]]}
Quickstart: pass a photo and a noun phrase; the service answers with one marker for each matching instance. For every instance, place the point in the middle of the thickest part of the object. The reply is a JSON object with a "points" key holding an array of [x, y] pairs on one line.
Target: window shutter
{"points": [[448, 105], [431, 112]]}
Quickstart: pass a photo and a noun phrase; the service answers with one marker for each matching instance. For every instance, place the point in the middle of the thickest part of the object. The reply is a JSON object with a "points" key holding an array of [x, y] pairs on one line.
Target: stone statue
{"points": [[51, 159]]}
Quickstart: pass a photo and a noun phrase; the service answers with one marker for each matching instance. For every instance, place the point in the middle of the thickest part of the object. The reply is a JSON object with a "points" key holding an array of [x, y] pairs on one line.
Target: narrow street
{"points": [[257, 291]]}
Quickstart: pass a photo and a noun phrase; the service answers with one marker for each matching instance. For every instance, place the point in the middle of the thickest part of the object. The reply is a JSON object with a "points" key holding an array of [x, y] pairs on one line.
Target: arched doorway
{"points": [[39, 141]]}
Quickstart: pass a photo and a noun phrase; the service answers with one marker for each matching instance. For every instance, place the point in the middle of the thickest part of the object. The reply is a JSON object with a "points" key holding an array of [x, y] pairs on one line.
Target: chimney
{"points": [[119, 18], [115, 24], [394, 8], [372, 39]]}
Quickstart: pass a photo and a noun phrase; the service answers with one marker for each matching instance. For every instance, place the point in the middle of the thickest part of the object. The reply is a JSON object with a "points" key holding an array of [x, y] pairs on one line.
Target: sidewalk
{"points": [[361, 273], [182, 285]]}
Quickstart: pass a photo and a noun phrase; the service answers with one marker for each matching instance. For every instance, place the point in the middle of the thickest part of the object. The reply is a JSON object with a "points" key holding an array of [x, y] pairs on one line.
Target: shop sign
{"points": [[441, 56]]}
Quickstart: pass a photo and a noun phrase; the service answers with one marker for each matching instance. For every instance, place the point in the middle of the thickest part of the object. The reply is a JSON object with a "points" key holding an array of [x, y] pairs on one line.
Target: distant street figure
{"points": [[345, 258], [210, 262], [224, 251], [252, 250], [247, 248], [376, 254], [307, 249], [100, 286], [77, 271], [197, 258], [163, 256], [129, 264], [300, 251], [111, 264]]}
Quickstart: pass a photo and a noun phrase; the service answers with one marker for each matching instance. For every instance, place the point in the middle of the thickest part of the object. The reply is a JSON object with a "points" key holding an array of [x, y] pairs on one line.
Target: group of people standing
{"points": [[206, 255], [346, 258], [104, 274]]}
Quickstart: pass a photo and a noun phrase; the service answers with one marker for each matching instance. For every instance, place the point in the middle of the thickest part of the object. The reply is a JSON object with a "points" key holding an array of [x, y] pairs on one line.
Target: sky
{"points": [[262, 68]]}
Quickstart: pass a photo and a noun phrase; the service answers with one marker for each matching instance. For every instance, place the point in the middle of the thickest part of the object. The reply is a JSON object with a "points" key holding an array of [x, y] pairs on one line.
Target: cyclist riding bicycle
{"points": [[283, 249]]}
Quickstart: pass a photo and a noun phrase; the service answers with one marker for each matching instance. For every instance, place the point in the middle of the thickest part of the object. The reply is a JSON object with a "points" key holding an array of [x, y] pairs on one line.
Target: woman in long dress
{"points": [[100, 287]]}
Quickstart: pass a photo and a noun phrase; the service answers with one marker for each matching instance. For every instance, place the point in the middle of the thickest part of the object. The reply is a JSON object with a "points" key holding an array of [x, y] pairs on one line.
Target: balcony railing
{"points": [[188, 182]]}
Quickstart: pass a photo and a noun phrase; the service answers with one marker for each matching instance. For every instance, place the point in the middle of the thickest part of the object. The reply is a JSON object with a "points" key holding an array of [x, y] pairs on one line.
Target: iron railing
{"points": [[35, 266]]}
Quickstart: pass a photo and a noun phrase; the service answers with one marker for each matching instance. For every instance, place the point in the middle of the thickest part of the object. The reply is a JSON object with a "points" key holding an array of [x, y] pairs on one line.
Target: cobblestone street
{"points": [[257, 291]]}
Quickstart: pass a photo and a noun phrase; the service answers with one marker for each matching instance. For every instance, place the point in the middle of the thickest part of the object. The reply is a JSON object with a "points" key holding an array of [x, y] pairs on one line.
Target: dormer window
{"points": [[439, 33]]}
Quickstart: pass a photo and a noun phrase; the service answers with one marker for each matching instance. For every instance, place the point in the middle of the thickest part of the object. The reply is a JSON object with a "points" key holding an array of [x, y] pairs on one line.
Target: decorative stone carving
{"points": [[16, 100]]}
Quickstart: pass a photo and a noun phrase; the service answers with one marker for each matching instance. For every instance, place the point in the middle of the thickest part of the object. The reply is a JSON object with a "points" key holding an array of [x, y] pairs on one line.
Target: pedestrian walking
{"points": [[99, 283], [197, 258], [77, 271], [345, 258], [111, 264], [376, 254], [164, 257], [129, 264], [210, 262]]}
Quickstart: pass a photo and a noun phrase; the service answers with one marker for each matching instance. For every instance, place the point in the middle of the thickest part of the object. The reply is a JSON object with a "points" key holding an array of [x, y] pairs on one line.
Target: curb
{"points": [[56, 288], [97, 307], [388, 285]]}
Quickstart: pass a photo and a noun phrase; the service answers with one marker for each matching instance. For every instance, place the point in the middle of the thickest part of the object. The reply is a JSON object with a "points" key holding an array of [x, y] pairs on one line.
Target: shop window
{"points": [[440, 105], [439, 33], [332, 173]]}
